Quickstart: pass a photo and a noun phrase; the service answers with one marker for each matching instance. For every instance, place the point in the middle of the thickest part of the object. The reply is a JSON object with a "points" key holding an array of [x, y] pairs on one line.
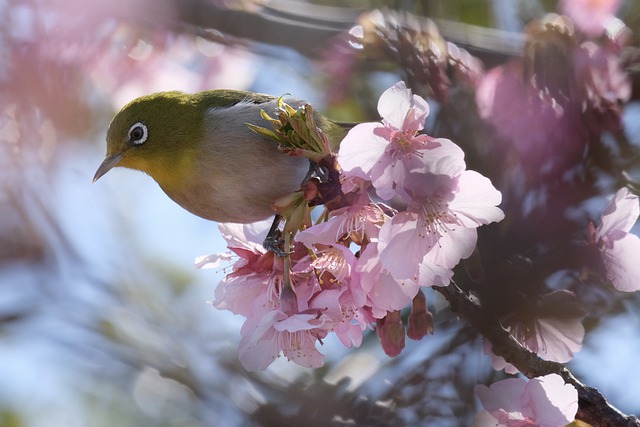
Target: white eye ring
{"points": [[134, 133]]}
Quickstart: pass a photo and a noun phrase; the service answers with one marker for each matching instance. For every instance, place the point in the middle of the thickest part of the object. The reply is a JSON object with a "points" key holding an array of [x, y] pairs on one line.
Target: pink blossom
{"points": [[590, 16], [384, 292], [275, 332], [619, 248], [551, 328], [279, 319], [286, 325], [385, 152], [255, 273], [438, 227], [346, 318], [357, 222], [541, 402], [339, 295]]}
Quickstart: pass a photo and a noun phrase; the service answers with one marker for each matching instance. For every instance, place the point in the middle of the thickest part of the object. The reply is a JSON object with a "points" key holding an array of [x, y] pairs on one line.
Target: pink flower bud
{"points": [[391, 333], [420, 319]]}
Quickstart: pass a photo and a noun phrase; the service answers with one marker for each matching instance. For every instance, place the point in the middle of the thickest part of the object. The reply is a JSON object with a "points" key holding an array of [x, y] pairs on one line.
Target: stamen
{"points": [[435, 219], [405, 144]]}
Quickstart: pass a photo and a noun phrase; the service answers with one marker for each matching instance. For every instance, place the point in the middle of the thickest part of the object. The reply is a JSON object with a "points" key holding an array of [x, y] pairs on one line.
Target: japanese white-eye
{"points": [[201, 152]]}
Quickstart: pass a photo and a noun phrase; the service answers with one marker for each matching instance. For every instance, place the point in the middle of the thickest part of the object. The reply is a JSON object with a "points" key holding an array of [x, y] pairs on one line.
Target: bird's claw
{"points": [[274, 242]]}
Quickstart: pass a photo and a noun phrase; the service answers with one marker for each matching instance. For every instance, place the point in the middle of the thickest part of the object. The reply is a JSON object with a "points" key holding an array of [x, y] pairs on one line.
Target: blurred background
{"points": [[104, 319]]}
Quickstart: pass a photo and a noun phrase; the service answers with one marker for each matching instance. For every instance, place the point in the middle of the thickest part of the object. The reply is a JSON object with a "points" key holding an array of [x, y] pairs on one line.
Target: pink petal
{"points": [[431, 274], [549, 401], [298, 322], [485, 419], [324, 233], [621, 263], [621, 214], [360, 150], [476, 202], [502, 395], [384, 292], [388, 177], [301, 349], [233, 294], [556, 339], [446, 158], [416, 115], [401, 247], [245, 236], [453, 246], [395, 106], [258, 346]]}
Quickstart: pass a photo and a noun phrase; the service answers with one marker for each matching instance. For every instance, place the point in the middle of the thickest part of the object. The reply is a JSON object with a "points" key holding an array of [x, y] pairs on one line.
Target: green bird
{"points": [[201, 152]]}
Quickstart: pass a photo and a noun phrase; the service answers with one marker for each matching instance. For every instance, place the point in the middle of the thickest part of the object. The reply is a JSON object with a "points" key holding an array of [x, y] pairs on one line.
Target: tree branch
{"points": [[593, 407]]}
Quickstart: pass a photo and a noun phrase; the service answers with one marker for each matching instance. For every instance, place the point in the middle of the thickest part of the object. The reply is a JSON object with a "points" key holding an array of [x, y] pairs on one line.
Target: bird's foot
{"points": [[274, 241]]}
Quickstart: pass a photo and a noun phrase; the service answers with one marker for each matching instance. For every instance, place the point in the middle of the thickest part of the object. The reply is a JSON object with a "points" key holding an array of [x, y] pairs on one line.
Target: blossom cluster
{"points": [[411, 213], [365, 261]]}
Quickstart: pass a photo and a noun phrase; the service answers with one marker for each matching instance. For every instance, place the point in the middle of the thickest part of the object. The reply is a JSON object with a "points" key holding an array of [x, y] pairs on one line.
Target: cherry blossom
{"points": [[438, 227], [278, 320], [276, 332], [385, 152], [357, 223], [551, 327], [541, 402], [384, 292], [618, 247]]}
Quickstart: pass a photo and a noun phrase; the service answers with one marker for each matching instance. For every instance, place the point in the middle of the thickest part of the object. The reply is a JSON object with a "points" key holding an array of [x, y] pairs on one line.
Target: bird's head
{"points": [[155, 134]]}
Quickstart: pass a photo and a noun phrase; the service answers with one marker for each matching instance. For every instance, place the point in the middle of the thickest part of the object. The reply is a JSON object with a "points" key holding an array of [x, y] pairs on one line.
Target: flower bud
{"points": [[391, 333], [420, 319]]}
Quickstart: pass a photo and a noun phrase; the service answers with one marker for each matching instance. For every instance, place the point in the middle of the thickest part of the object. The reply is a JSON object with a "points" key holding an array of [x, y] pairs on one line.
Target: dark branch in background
{"points": [[593, 407], [312, 27]]}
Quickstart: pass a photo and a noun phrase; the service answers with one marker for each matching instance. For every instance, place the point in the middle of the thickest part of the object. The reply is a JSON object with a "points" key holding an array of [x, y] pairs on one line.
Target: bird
{"points": [[203, 155]]}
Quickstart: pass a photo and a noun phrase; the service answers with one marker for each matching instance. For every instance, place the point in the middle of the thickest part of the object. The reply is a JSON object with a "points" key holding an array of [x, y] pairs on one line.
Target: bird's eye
{"points": [[138, 133]]}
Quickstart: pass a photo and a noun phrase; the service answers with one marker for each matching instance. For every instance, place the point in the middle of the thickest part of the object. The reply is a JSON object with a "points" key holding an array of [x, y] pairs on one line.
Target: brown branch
{"points": [[593, 407]]}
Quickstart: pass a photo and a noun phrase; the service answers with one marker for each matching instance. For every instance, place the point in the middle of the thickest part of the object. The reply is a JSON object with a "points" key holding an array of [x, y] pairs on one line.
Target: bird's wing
{"points": [[226, 98]]}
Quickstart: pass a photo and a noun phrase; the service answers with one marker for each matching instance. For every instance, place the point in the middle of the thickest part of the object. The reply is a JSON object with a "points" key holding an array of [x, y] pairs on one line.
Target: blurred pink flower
{"points": [[618, 247], [590, 16], [541, 402], [542, 131], [550, 102], [385, 152]]}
